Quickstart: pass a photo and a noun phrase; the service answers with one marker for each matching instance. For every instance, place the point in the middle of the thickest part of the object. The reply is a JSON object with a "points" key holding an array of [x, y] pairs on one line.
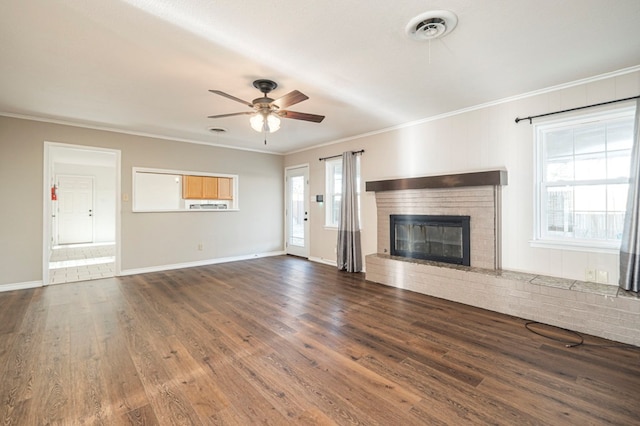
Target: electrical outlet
{"points": [[602, 277], [590, 275], [200, 246]]}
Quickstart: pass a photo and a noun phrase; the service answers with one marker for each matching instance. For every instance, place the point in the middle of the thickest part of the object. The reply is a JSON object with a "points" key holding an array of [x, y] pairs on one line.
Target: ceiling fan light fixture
{"points": [[273, 122], [265, 122], [267, 112]]}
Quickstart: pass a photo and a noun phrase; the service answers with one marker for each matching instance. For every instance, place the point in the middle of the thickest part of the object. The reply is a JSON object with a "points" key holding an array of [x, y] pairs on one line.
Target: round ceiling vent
{"points": [[431, 25], [217, 130]]}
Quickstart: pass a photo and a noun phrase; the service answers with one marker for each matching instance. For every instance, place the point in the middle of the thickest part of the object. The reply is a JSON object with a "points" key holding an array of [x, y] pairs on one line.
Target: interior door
{"points": [[75, 209], [297, 211]]}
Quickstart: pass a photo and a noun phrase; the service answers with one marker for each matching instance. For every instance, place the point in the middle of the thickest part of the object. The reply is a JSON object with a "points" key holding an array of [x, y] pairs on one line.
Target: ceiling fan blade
{"points": [[289, 99], [231, 115], [301, 116], [233, 98]]}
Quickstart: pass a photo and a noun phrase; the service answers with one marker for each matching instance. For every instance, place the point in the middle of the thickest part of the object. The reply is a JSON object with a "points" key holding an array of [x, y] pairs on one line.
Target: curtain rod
{"points": [[336, 156], [530, 118]]}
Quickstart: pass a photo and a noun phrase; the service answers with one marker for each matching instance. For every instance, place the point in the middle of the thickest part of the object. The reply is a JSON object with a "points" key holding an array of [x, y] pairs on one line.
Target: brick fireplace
{"points": [[476, 195]]}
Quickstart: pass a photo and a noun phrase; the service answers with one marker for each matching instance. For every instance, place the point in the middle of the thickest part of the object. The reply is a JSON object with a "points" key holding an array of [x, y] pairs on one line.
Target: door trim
{"points": [[48, 177], [307, 242]]}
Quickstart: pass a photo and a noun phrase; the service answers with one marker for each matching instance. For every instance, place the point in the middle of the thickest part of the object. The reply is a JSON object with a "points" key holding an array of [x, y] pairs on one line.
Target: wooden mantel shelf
{"points": [[490, 177]]}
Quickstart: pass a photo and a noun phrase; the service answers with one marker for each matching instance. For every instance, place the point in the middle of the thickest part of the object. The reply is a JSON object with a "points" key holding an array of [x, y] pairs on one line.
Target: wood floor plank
{"points": [[167, 402], [358, 386], [596, 404], [248, 405], [89, 394], [314, 416], [139, 417], [124, 390], [14, 305], [52, 391], [191, 378], [282, 340], [21, 370], [332, 400], [481, 407], [552, 411]]}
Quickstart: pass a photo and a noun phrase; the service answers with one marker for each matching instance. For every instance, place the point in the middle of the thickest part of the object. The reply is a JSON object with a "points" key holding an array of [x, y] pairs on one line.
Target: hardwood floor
{"points": [[285, 341]]}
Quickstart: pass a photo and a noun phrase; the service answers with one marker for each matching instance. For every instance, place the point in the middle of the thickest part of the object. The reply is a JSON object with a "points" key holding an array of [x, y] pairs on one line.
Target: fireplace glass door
{"points": [[439, 238]]}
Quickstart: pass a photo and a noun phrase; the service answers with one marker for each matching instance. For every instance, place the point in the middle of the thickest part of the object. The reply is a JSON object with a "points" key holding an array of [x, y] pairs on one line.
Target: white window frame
{"points": [[330, 191], [539, 237]]}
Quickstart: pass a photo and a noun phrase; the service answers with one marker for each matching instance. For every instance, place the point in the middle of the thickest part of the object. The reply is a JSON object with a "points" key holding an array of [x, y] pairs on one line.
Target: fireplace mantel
{"points": [[490, 177]]}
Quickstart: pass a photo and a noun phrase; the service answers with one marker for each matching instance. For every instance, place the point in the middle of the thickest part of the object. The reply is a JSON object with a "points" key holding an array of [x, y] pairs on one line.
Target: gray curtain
{"points": [[349, 250], [630, 246]]}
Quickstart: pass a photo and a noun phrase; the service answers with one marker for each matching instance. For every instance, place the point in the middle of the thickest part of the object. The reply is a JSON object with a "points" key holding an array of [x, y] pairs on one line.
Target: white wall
{"points": [[148, 240], [486, 138]]}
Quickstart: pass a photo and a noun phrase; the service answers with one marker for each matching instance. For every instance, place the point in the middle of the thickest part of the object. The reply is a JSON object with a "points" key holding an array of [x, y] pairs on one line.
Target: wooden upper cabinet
{"points": [[192, 187], [207, 188], [225, 188]]}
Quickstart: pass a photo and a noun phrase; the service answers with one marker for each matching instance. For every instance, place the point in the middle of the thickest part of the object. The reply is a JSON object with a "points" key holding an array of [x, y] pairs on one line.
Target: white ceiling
{"points": [[145, 66]]}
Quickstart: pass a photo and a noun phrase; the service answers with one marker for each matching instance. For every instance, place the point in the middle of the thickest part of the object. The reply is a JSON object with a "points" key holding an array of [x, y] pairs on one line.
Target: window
{"points": [[582, 179], [333, 190], [161, 190]]}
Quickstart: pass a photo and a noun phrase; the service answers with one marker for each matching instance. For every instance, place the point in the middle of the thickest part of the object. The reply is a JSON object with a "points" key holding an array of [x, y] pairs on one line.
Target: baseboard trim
{"points": [[330, 262], [205, 262], [20, 286]]}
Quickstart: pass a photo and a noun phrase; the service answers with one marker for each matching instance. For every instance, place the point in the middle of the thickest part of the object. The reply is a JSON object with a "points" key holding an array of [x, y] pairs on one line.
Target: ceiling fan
{"points": [[267, 112]]}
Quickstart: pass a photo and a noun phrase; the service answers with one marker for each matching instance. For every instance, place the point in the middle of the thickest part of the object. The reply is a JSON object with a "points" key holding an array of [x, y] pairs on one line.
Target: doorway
{"points": [[297, 211], [81, 213]]}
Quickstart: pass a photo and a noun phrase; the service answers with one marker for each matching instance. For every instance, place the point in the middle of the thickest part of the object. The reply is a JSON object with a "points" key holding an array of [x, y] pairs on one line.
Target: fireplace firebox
{"points": [[438, 238]]}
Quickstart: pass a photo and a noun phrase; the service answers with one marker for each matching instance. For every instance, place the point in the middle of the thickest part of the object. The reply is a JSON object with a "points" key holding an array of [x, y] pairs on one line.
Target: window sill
{"points": [[565, 245]]}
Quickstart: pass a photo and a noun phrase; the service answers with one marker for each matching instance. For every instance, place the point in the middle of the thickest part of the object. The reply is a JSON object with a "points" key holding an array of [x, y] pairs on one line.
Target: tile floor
{"points": [[81, 262]]}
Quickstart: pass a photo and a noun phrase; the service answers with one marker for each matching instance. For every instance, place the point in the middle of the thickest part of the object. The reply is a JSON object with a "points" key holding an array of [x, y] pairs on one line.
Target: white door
{"points": [[75, 209], [297, 211]]}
